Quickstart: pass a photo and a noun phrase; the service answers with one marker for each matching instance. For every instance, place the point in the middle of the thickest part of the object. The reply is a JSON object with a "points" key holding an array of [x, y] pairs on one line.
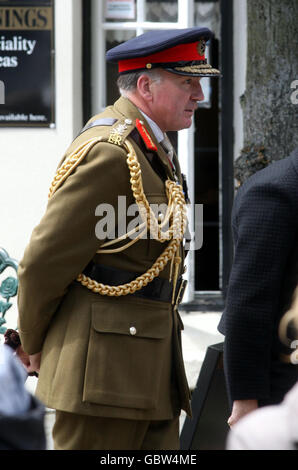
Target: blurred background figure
{"points": [[263, 278], [273, 427], [21, 414], [269, 428]]}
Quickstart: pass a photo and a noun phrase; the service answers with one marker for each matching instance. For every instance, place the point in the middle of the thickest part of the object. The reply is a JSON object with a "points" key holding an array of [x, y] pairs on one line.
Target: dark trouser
{"points": [[82, 432]]}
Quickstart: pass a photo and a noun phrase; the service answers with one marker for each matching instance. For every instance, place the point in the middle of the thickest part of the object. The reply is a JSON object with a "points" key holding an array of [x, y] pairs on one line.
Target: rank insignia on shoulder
{"points": [[145, 136], [119, 131], [115, 138]]}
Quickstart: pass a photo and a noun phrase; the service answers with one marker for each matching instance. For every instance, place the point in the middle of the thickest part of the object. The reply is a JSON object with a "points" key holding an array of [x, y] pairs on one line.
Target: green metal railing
{"points": [[8, 287]]}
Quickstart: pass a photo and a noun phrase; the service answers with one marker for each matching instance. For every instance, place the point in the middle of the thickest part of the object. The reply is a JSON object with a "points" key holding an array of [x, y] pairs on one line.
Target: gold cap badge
{"points": [[201, 47]]}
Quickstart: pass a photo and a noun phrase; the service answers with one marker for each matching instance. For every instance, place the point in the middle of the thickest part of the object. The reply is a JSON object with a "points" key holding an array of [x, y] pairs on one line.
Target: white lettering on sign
{"points": [[120, 9], [17, 43]]}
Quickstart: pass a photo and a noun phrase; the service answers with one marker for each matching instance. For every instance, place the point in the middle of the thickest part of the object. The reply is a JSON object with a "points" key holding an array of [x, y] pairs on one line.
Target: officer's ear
{"points": [[144, 87]]}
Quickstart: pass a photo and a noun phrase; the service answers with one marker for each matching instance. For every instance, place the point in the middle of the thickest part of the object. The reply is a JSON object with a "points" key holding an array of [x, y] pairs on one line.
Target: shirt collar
{"points": [[159, 135]]}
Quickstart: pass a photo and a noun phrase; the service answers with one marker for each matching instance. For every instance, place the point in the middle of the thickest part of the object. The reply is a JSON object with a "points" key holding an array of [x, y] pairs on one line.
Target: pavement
{"points": [[200, 331]]}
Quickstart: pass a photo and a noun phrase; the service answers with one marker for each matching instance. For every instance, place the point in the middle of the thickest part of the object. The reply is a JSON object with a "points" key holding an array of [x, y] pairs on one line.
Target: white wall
{"points": [[29, 156], [240, 53]]}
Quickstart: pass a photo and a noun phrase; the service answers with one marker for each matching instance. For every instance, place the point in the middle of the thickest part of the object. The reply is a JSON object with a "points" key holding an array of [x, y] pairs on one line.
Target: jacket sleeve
{"points": [[65, 241], [263, 227]]}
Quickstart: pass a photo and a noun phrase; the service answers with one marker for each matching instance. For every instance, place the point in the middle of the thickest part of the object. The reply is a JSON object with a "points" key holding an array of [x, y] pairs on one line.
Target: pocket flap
{"points": [[133, 319]]}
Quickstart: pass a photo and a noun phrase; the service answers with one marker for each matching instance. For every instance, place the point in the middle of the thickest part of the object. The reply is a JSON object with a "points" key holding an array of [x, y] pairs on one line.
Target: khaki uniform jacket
{"points": [[91, 364]]}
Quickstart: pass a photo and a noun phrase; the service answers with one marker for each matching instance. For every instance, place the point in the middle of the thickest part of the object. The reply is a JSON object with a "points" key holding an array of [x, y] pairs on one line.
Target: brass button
{"points": [[160, 217], [132, 330]]}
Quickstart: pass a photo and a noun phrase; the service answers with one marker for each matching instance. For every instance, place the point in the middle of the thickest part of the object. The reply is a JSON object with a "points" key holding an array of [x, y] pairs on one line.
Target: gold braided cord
{"points": [[140, 281], [175, 216], [142, 229], [124, 247], [176, 202], [150, 222], [70, 163], [204, 68]]}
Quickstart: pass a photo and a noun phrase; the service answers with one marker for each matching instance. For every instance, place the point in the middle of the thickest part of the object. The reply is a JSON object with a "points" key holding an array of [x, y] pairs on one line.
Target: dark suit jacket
{"points": [[263, 277], [24, 431]]}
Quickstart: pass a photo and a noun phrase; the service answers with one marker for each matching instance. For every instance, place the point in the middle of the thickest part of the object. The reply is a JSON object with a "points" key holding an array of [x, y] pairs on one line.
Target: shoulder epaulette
{"points": [[99, 122], [120, 128], [120, 131]]}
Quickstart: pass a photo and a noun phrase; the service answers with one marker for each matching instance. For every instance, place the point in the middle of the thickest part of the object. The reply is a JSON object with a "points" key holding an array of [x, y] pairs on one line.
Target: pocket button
{"points": [[132, 330]]}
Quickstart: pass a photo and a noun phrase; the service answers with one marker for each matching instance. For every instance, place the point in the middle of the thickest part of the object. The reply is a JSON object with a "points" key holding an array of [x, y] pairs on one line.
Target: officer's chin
{"points": [[187, 121]]}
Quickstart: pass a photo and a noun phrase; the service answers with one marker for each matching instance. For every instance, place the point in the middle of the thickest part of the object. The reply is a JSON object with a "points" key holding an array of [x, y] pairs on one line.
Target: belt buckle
{"points": [[180, 293]]}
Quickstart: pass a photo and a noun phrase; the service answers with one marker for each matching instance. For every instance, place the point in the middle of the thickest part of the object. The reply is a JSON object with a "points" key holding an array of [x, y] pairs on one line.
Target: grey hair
{"points": [[128, 81]]}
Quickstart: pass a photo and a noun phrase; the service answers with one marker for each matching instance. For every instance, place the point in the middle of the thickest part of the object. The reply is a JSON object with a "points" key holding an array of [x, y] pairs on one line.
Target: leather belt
{"points": [[158, 289]]}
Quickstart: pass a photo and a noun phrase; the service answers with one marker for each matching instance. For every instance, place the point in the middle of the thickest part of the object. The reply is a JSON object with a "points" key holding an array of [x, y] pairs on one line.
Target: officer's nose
{"points": [[198, 94]]}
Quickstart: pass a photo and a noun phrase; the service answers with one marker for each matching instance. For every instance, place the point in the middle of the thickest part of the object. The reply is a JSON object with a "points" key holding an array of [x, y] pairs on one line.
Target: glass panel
{"points": [[207, 192], [119, 10], [206, 86], [113, 38], [207, 15], [162, 11], [207, 259]]}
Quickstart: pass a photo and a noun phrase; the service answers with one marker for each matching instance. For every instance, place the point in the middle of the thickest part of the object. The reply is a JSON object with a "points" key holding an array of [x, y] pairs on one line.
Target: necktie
{"points": [[167, 146]]}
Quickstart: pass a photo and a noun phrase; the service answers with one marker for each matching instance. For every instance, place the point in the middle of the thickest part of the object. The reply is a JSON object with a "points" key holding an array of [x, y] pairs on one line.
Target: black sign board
{"points": [[27, 63]]}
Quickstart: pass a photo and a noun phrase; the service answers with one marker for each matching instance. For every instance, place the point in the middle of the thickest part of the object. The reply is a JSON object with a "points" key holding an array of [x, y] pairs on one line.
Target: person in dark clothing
{"points": [[259, 430], [262, 281], [21, 414]]}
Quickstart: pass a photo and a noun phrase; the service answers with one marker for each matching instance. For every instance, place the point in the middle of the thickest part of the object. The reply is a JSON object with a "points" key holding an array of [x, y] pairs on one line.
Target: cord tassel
{"points": [[177, 263], [172, 268]]}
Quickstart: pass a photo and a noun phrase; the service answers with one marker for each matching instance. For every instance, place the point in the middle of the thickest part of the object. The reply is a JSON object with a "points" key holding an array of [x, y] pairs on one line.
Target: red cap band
{"points": [[182, 52]]}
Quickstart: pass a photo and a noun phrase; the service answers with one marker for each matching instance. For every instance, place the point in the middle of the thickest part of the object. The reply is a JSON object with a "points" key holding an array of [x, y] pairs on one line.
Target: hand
{"points": [[240, 409], [30, 362]]}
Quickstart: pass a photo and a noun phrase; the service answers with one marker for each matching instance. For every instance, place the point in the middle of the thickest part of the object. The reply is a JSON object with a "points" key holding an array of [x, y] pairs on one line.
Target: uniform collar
{"points": [[128, 110], [158, 133]]}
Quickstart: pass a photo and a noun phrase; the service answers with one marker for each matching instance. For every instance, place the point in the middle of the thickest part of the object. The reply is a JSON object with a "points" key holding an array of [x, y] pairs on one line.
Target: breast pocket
{"points": [[130, 344]]}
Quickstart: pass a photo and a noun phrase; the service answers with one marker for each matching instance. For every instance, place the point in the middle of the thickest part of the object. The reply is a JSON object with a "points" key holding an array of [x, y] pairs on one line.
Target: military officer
{"points": [[98, 314]]}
